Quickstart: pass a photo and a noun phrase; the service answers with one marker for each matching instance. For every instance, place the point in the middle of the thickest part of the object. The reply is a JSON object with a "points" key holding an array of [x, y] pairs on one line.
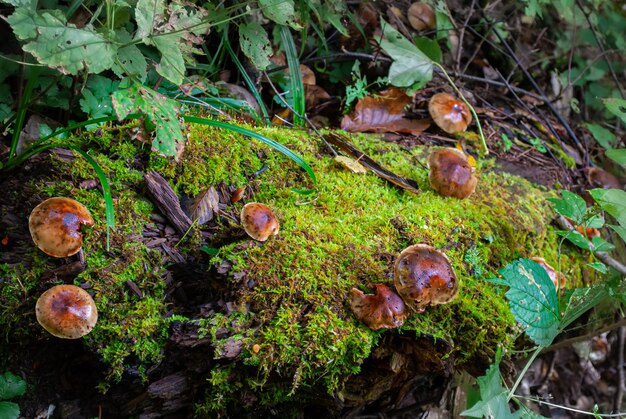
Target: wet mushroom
{"points": [[66, 311], [259, 221], [424, 277], [449, 113], [421, 16], [382, 310], [451, 174], [552, 274], [55, 225]]}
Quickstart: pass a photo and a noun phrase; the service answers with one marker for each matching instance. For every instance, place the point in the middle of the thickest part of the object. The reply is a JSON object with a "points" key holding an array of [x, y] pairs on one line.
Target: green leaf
{"points": [[172, 64], [130, 60], [532, 299], [9, 410], [612, 201], [62, 45], [96, 101], [147, 14], [598, 266], [618, 155], [571, 206], [280, 11], [576, 238], [410, 67], [5, 112], [11, 386], [429, 47], [617, 107], [580, 301], [603, 136], [255, 44], [619, 230], [30, 4], [601, 245]]}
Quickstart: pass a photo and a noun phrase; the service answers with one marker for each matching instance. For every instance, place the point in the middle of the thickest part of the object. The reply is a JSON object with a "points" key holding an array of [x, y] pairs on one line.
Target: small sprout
{"points": [[424, 277], [421, 16], [259, 221], [451, 174], [449, 113], [384, 309], [55, 226], [560, 284], [66, 311]]}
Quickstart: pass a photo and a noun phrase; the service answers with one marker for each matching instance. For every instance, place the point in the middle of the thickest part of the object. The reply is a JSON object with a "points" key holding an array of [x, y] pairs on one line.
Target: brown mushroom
{"points": [[424, 277], [449, 113], [421, 16], [451, 174], [560, 284], [599, 178], [55, 226], [66, 311], [259, 221], [384, 309]]}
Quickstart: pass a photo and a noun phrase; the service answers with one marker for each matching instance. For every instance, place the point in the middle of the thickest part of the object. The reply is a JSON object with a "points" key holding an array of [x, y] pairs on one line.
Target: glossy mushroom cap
{"points": [[451, 174], [259, 221], [384, 309], [55, 226], [560, 284], [421, 16], [424, 277], [449, 113], [66, 311]]}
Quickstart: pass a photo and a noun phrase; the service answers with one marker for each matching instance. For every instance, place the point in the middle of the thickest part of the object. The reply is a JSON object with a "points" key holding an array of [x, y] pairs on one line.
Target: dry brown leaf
{"points": [[352, 165], [383, 113], [205, 205], [314, 95]]}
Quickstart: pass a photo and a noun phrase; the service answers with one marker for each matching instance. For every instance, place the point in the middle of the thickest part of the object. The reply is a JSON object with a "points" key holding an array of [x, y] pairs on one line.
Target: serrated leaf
{"points": [[9, 410], [603, 136], [612, 201], [576, 238], [255, 44], [618, 155], [598, 266], [617, 107], [571, 206], [148, 13], [62, 45], [96, 100], [580, 301], [280, 11], [533, 300], [205, 205], [172, 64], [11, 386], [410, 67]]}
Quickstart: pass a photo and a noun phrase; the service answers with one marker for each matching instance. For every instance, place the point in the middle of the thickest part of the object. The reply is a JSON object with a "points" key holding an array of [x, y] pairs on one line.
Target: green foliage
{"points": [[11, 386], [255, 43]]}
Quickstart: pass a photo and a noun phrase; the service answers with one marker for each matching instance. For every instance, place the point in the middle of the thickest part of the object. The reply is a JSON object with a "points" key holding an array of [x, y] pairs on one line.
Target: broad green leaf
{"points": [[30, 4], [532, 299], [612, 201], [576, 238], [410, 67], [571, 206], [618, 155], [5, 112], [580, 301], [601, 245], [617, 107], [255, 43], [130, 60], [429, 47], [619, 230], [148, 13], [9, 410], [172, 64], [280, 11], [603, 136], [62, 45], [595, 221], [598, 266], [96, 101], [11, 386]]}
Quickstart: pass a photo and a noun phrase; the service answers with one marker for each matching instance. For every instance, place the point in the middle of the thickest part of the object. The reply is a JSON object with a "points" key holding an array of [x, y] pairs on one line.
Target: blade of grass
{"points": [[295, 78], [21, 110]]}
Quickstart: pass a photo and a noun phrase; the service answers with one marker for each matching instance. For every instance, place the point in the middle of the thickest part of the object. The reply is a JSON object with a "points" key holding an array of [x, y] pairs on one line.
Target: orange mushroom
{"points": [[259, 221], [66, 311], [451, 174], [449, 113], [424, 277], [560, 284], [55, 224], [421, 16], [384, 309]]}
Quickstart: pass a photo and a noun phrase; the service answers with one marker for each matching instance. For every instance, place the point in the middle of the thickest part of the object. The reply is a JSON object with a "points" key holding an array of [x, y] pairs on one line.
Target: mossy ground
{"points": [[290, 293]]}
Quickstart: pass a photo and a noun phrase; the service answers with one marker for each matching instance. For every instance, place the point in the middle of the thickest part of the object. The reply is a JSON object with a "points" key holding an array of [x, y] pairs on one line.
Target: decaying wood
{"points": [[164, 197]]}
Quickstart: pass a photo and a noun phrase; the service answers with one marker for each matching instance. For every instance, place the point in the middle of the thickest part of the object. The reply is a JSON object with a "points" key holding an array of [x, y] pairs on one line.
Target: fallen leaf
{"points": [[314, 95], [383, 113], [352, 165], [205, 205]]}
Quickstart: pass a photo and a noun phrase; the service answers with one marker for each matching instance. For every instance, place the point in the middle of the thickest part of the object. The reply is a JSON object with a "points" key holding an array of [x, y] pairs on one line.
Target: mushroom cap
{"points": [[66, 311], [259, 221], [449, 113], [424, 277], [451, 174], [384, 309], [421, 16], [55, 224], [560, 284]]}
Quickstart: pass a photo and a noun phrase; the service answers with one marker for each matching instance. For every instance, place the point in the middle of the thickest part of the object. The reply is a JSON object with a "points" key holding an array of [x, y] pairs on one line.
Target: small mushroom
{"points": [[259, 221], [424, 277], [449, 113], [451, 174], [421, 16], [66, 311], [384, 309], [55, 224], [560, 284]]}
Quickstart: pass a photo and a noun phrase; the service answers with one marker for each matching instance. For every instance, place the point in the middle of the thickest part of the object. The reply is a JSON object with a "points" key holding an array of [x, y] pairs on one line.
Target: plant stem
{"points": [[471, 108], [523, 372]]}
